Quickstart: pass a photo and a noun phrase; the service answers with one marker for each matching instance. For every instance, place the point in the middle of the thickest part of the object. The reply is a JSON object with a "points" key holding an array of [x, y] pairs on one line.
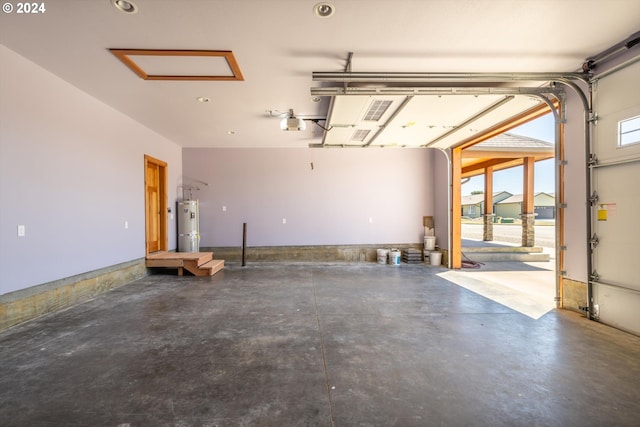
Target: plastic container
{"points": [[383, 256], [429, 243], [394, 257], [435, 258]]}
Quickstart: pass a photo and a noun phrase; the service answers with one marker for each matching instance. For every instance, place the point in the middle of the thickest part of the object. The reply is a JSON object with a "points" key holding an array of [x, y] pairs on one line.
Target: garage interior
{"points": [[311, 134]]}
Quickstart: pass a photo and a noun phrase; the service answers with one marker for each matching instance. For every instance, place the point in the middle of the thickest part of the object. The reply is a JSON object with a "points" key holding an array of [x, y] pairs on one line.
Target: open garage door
{"points": [[615, 176]]}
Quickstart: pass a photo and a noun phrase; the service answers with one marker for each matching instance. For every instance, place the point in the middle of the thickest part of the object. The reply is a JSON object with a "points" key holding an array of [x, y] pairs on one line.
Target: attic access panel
{"points": [[438, 121], [151, 64]]}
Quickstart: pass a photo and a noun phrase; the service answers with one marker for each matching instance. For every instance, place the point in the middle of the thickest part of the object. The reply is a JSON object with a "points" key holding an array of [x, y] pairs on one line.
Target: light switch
{"points": [[21, 231], [126, 224], [284, 220], [224, 208]]}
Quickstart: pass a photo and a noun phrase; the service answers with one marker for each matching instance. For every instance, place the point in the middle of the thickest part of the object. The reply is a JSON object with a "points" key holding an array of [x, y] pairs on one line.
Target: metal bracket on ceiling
{"points": [[316, 122], [347, 69]]}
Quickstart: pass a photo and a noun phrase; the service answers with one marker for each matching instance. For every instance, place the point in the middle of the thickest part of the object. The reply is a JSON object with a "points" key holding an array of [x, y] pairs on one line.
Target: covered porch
{"points": [[501, 152]]}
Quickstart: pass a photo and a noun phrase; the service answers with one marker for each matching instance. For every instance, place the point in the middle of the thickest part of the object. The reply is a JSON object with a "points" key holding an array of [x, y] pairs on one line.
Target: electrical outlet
{"points": [[126, 225], [284, 220], [21, 231], [224, 208]]}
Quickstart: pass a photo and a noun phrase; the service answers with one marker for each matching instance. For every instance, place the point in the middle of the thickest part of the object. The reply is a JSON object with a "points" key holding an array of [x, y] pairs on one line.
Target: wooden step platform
{"points": [[197, 263]]}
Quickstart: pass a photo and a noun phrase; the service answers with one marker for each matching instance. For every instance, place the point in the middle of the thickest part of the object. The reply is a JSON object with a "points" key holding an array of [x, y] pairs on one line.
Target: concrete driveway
{"points": [[527, 287], [512, 233]]}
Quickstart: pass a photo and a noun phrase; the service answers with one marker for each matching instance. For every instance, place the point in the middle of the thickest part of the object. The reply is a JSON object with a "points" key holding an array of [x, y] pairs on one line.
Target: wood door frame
{"points": [[455, 233], [162, 191]]}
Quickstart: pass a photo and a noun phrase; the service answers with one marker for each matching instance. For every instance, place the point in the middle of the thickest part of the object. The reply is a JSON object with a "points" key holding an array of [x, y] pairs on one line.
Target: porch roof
{"points": [[502, 152]]}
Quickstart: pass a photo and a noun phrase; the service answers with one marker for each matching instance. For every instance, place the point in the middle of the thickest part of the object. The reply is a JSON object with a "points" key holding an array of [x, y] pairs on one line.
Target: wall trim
{"points": [[321, 253], [26, 304]]}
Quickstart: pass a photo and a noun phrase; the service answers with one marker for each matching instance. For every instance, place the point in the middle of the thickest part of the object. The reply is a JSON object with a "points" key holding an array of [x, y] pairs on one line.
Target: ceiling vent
{"points": [[377, 110], [360, 135]]}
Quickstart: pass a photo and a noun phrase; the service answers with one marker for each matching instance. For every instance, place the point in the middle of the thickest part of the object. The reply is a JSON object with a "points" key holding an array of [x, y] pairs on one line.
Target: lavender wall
{"points": [[71, 172], [330, 203]]}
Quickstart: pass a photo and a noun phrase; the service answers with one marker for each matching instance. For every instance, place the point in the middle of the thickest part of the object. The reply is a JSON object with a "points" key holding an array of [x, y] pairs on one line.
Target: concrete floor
{"points": [[314, 345]]}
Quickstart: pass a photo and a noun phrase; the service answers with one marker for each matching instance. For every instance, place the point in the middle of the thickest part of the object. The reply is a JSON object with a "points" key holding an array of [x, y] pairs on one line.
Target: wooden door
{"points": [[155, 204]]}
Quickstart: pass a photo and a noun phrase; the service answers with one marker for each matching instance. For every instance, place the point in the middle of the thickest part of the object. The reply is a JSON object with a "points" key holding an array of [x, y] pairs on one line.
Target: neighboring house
{"points": [[473, 205], [544, 206]]}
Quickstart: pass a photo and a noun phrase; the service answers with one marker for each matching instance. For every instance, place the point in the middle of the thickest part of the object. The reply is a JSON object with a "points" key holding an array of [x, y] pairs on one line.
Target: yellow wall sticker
{"points": [[602, 214]]}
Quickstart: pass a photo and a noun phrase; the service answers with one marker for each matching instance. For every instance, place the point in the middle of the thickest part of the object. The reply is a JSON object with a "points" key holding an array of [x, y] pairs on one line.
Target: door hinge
{"points": [[594, 241], [593, 160], [594, 198], [594, 277], [593, 119]]}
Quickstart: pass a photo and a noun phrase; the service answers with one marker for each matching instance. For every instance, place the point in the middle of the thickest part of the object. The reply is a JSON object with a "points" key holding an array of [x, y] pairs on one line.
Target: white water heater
{"points": [[188, 226]]}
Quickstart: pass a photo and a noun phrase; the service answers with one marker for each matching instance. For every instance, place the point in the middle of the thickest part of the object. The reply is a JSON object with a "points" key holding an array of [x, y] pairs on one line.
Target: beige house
{"points": [[473, 205]]}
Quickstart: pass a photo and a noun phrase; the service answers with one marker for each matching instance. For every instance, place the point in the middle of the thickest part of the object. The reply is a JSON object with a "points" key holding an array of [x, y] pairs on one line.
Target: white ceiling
{"points": [[279, 43]]}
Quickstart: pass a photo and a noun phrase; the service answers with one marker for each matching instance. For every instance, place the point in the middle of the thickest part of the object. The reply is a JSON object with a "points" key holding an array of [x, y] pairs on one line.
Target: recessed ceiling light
{"points": [[324, 10], [125, 6], [203, 99]]}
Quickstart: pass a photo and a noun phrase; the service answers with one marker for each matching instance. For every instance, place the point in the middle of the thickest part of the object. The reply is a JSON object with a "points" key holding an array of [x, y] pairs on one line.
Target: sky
{"points": [[511, 179]]}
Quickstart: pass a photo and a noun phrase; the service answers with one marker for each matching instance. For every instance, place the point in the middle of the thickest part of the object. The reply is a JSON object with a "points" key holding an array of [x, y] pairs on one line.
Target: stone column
{"points": [[487, 235], [528, 232], [528, 204]]}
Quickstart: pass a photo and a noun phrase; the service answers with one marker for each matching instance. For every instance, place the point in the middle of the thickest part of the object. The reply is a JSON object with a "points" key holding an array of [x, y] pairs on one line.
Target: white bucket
{"points": [[383, 254], [394, 257], [429, 243], [435, 258]]}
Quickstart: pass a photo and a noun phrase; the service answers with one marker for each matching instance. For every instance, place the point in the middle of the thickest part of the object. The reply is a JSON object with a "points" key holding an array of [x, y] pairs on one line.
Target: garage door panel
{"points": [[618, 307], [617, 223], [607, 129], [616, 98], [616, 214]]}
